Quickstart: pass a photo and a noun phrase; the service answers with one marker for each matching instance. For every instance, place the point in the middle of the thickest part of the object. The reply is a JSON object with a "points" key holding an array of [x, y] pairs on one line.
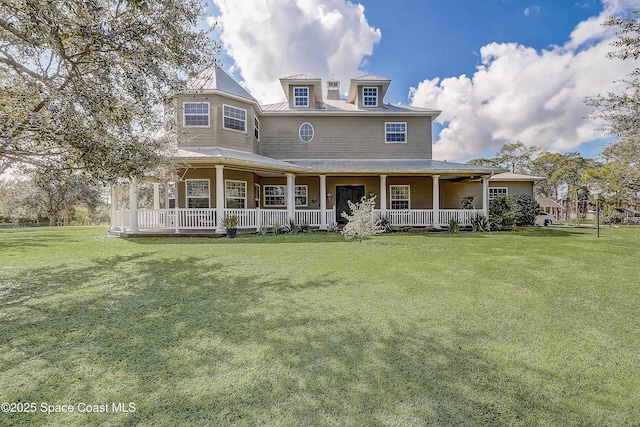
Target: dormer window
{"points": [[301, 96], [370, 96]]}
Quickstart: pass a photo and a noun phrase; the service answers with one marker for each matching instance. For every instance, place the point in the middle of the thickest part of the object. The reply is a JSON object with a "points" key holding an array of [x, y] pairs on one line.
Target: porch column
{"points": [[291, 197], [114, 207], [156, 195], [436, 200], [485, 196], [133, 204], [219, 198], [383, 195], [323, 202]]}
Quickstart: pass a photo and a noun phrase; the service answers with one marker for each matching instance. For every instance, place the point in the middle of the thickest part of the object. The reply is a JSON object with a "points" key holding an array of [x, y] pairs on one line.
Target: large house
{"points": [[304, 158]]}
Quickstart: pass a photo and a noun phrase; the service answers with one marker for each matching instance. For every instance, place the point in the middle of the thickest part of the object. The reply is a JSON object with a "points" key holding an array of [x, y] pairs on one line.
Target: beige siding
{"points": [[344, 137], [215, 135], [451, 193], [210, 174]]}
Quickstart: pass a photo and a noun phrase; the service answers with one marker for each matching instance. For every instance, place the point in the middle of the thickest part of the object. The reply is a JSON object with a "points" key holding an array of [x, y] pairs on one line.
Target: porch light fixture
{"points": [[329, 196]]}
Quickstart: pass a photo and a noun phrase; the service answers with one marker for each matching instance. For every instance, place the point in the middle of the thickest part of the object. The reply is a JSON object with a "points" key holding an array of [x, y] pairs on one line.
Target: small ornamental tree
{"points": [[527, 209], [502, 213], [362, 222]]}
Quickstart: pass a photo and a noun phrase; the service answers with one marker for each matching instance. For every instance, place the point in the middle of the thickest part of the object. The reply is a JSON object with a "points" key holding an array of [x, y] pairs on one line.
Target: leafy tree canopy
{"points": [[621, 111], [82, 82]]}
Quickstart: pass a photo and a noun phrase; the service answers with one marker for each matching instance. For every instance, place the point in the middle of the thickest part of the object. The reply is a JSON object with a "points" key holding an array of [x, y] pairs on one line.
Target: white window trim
{"points": [[491, 197], [284, 188], [296, 97], [265, 195], [256, 128], [233, 118], [306, 195], [313, 132], [238, 198], [386, 133], [391, 199], [186, 192], [256, 194], [184, 115], [369, 96]]}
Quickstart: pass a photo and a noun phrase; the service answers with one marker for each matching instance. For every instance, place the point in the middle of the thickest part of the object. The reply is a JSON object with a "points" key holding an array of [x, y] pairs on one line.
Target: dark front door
{"points": [[345, 193]]}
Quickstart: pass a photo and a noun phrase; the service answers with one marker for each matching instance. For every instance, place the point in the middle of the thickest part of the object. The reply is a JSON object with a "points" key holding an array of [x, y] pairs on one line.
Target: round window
{"points": [[306, 132]]}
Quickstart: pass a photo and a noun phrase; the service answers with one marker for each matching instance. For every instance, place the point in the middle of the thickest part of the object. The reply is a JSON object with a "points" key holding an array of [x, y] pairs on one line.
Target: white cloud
{"points": [[534, 9], [272, 39], [519, 93]]}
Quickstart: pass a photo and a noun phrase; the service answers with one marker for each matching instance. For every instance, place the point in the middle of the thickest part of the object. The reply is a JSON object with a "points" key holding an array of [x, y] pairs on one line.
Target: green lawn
{"points": [[536, 327]]}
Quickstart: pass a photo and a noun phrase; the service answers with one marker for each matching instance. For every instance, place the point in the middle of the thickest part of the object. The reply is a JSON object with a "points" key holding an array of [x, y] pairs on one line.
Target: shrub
{"points": [[361, 223], [611, 217], [467, 202], [502, 213], [479, 223], [454, 225], [526, 210]]}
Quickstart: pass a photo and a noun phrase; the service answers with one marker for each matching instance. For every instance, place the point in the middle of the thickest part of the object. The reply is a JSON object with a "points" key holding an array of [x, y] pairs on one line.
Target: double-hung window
{"points": [[234, 118], [395, 132], [197, 193], [301, 195], [196, 114], [235, 193], [370, 96], [495, 192], [400, 196], [275, 195], [300, 96]]}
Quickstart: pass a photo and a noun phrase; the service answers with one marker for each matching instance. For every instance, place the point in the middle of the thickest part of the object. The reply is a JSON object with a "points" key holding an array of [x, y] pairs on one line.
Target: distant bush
{"points": [[526, 210], [611, 217], [502, 213]]}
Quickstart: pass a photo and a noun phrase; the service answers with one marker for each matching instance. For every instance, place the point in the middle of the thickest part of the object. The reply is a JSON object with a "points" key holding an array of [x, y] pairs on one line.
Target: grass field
{"points": [[539, 327]]}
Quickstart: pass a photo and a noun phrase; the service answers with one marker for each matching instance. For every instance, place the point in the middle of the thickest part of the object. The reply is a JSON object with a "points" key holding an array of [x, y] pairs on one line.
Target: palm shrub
{"points": [[526, 210], [454, 225], [362, 222], [502, 213], [479, 223]]}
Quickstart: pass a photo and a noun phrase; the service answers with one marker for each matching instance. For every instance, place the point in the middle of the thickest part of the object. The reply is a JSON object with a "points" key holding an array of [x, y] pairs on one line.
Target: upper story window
{"points": [[196, 113], [301, 96], [234, 118], [395, 132], [370, 96], [256, 128], [306, 132]]}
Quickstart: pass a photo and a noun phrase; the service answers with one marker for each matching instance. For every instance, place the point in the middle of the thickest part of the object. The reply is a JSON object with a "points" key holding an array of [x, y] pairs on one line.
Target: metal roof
{"points": [[219, 155], [342, 106], [216, 79], [508, 176], [391, 166]]}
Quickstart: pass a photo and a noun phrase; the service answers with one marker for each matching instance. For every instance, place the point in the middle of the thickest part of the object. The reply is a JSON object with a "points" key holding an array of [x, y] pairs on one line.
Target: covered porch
{"points": [[261, 192]]}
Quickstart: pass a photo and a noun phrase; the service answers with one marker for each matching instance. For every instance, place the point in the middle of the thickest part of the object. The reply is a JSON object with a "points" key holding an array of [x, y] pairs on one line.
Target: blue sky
{"points": [[500, 70]]}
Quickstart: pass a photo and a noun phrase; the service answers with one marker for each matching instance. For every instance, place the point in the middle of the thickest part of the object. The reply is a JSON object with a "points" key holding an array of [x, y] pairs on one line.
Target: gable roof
{"points": [[216, 79], [303, 79], [368, 79]]}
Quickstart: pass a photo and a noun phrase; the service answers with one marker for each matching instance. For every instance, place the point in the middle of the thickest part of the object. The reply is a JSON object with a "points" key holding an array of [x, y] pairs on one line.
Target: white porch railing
{"points": [[206, 219], [425, 217]]}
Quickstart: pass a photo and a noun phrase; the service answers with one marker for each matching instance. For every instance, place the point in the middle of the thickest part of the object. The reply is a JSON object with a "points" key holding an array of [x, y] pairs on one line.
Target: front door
{"points": [[345, 193]]}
